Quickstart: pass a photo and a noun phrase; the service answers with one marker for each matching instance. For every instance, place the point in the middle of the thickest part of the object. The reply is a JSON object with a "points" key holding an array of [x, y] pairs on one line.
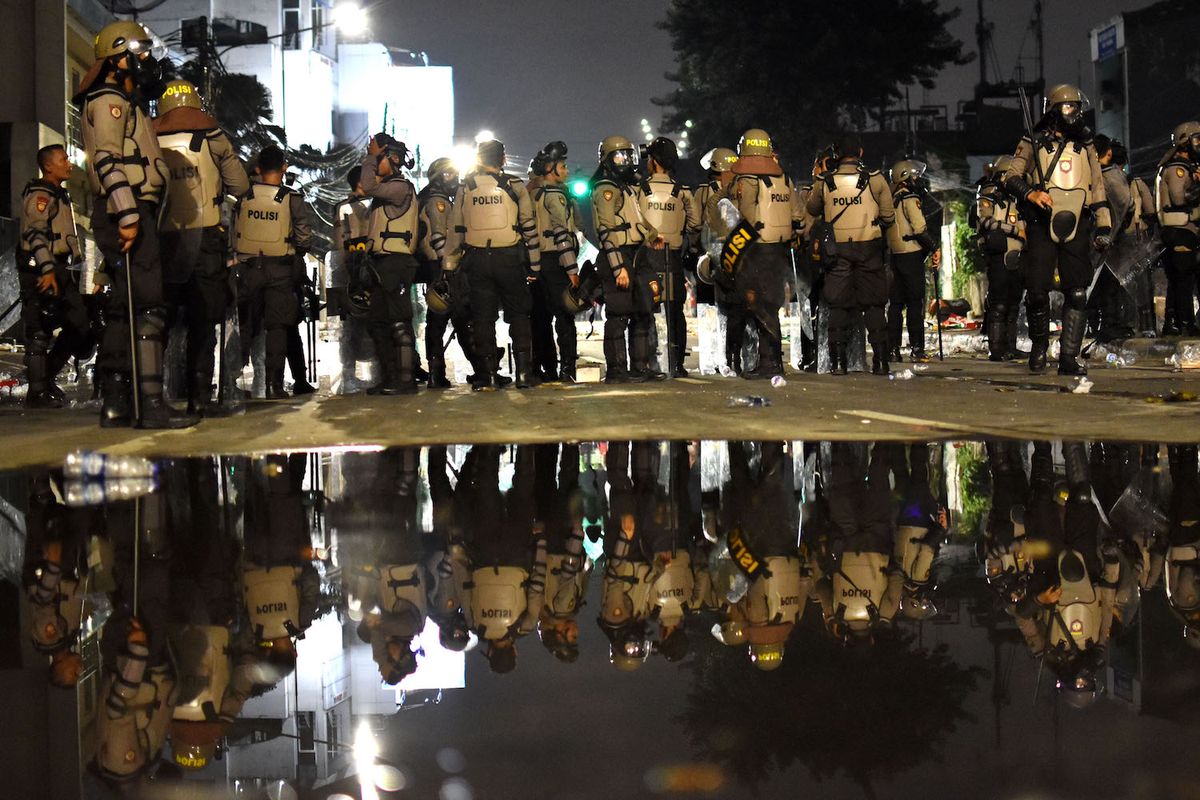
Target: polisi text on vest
{"points": [[268, 216]]}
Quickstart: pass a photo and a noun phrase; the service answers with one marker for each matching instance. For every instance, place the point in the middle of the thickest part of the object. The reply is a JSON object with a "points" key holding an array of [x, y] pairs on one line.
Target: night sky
{"points": [[536, 70]]}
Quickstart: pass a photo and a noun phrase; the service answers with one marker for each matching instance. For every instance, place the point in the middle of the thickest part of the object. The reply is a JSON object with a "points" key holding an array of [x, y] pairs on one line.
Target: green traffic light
{"points": [[579, 188]]}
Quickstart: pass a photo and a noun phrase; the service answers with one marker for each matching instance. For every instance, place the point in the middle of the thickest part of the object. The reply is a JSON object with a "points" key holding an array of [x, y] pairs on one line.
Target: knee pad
{"points": [[151, 323], [1075, 299], [403, 334], [1037, 302], [999, 310]]}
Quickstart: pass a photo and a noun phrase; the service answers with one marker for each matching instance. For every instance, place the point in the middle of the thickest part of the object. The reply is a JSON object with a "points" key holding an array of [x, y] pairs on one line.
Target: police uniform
{"points": [[616, 211], [1110, 302], [132, 725], [769, 203], [1142, 222], [910, 244], [493, 236], [1001, 239], [1059, 238], [434, 220], [1177, 201], [857, 204], [351, 243], [49, 245], [669, 208], [557, 229], [393, 232], [128, 176], [272, 231], [203, 170], [810, 278]]}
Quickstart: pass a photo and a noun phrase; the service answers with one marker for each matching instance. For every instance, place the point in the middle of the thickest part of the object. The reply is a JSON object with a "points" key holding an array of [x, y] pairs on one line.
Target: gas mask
{"points": [[624, 164], [146, 70]]}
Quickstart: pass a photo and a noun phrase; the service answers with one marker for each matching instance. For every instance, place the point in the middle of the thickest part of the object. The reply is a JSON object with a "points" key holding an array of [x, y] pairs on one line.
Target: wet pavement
{"points": [[1000, 618], [963, 396]]}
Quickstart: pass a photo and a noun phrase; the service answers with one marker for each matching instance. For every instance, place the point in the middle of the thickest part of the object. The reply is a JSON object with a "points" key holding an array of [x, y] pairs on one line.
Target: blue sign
{"points": [[1106, 43]]}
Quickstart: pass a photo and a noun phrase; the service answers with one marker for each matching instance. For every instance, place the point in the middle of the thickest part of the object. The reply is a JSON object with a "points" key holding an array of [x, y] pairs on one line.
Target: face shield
{"points": [[624, 162], [145, 66]]}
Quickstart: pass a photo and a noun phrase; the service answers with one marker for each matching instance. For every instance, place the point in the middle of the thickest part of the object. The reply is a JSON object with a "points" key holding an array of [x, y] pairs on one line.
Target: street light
{"points": [[350, 19]]}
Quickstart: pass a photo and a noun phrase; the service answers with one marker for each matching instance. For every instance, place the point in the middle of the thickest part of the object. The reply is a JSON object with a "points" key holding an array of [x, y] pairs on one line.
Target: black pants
{"points": [[497, 283], [197, 283], [760, 284], [1042, 256], [551, 319], [145, 278], [628, 311], [460, 316], [268, 304], [907, 300], [1181, 285], [42, 313], [856, 286]]}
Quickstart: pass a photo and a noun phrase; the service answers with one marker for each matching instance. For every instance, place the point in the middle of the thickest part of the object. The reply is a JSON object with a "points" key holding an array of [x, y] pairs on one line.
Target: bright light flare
{"points": [[463, 156], [350, 19], [484, 135], [366, 750]]}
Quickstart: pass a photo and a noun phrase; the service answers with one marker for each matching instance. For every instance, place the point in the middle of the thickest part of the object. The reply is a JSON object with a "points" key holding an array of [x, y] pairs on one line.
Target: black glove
{"points": [[1103, 239]]}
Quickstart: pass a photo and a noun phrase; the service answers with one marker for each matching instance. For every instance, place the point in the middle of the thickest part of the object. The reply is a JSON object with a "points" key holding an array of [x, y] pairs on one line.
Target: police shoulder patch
{"points": [[42, 203], [115, 110], [1180, 171], [608, 195], [441, 206]]}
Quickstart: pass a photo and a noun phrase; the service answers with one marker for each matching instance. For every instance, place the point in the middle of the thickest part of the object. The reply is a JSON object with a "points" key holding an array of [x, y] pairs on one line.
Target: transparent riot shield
{"points": [[232, 388]]}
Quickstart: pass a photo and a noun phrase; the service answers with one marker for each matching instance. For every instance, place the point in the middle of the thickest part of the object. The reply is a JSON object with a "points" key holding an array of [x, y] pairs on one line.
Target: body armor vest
{"points": [[545, 226], [53, 624], [498, 599], [140, 158], [64, 239], [490, 211], [662, 208], [629, 228], [626, 592], [425, 224], [1004, 211], [672, 590], [565, 584], [1181, 577], [263, 225], [901, 237], [194, 184], [272, 601], [1136, 224], [771, 214], [851, 209], [779, 598], [859, 584], [1069, 180], [209, 671], [129, 742], [1079, 609], [393, 232], [354, 220], [913, 553], [401, 588]]}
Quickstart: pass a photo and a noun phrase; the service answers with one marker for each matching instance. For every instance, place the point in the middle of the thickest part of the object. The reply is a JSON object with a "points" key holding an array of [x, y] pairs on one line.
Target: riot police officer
{"points": [[1110, 303], [630, 284], [1057, 177], [351, 245], [1178, 195], [393, 232], [718, 165], [127, 176], [1140, 230], [1001, 237], [272, 232], [433, 219], [203, 170], [767, 200], [856, 203], [557, 231], [49, 293], [493, 236], [668, 207], [910, 243]]}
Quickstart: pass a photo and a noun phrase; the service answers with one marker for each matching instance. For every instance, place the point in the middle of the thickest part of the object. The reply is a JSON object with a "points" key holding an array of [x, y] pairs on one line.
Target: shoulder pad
{"points": [[512, 180], [38, 185], [874, 172], [103, 89], [603, 182], [544, 188]]}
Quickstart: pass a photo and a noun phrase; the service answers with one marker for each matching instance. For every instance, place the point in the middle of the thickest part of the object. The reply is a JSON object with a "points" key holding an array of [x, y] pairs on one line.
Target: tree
{"points": [[803, 69], [239, 102]]}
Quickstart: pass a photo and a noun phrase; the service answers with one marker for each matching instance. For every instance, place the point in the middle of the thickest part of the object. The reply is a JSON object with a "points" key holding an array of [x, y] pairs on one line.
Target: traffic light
{"points": [[579, 188]]}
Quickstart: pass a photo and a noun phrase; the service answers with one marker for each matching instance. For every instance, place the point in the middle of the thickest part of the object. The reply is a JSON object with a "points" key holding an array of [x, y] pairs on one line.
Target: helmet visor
{"points": [[624, 158]]}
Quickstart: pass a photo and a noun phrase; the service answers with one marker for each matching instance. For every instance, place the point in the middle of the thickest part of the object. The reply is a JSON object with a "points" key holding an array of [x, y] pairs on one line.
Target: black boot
{"points": [[485, 373], [837, 358], [524, 366], [115, 405], [1071, 341], [275, 390], [677, 368], [567, 356], [616, 359], [200, 400], [1039, 335], [1011, 351], [1146, 322], [640, 366], [997, 319], [403, 379], [38, 395], [60, 354], [894, 353], [437, 373], [156, 412], [879, 361]]}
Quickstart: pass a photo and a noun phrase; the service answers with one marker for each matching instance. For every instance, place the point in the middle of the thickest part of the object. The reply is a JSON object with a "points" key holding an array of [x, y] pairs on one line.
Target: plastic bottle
{"points": [[920, 367], [90, 465], [748, 401], [905, 375], [95, 493], [778, 381]]}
